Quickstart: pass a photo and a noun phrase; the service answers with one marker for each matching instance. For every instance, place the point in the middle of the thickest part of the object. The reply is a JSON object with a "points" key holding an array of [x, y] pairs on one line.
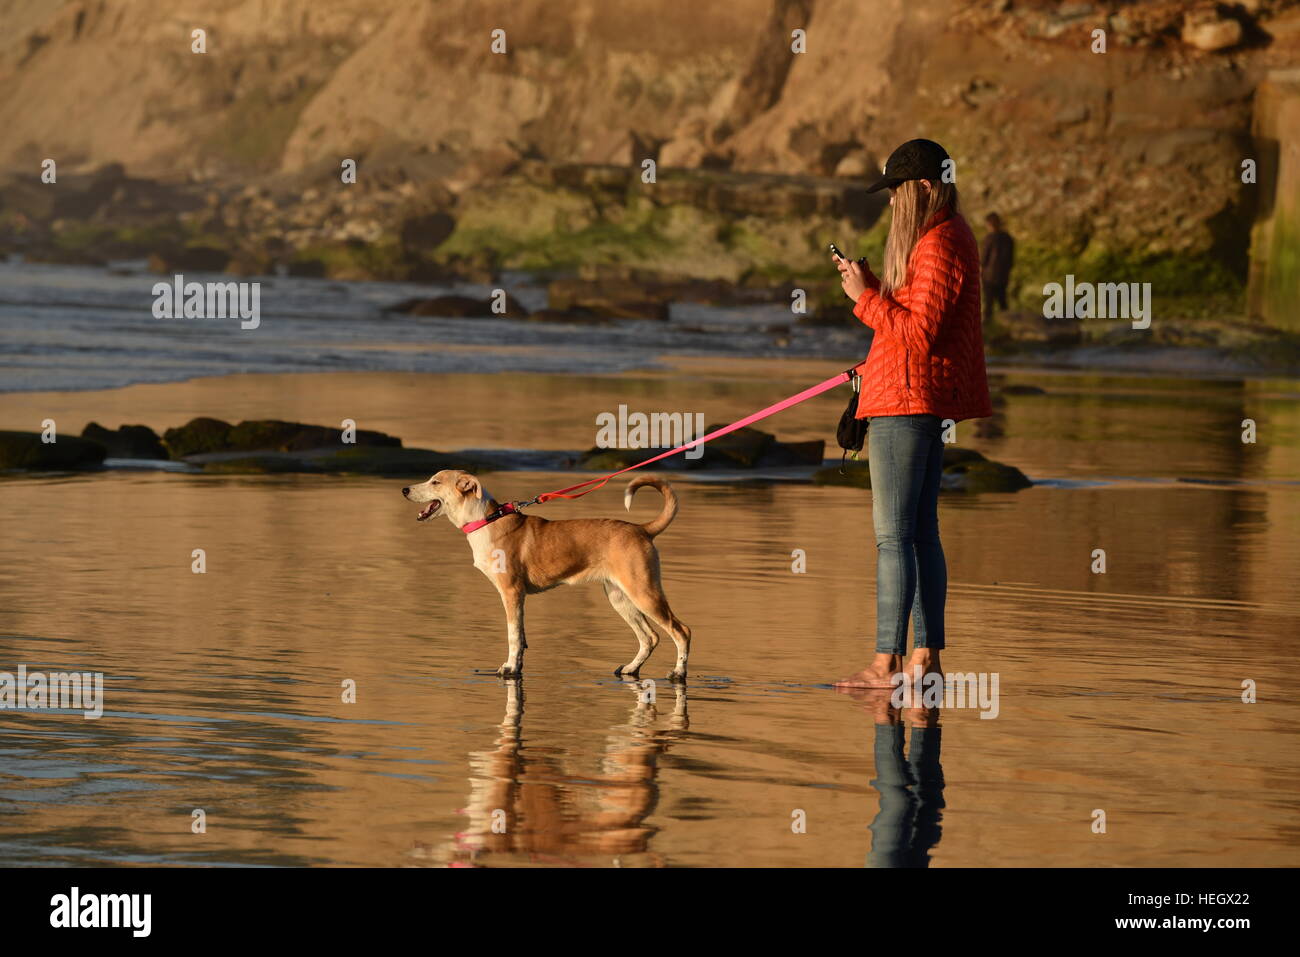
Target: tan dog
{"points": [[524, 554]]}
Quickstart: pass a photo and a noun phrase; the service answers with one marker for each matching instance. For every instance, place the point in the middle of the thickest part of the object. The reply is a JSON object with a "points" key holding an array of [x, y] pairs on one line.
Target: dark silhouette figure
{"points": [[911, 796], [996, 258]]}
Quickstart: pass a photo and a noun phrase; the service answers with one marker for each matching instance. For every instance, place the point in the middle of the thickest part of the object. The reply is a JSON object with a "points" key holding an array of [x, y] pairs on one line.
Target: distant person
{"points": [[926, 365], [996, 259]]}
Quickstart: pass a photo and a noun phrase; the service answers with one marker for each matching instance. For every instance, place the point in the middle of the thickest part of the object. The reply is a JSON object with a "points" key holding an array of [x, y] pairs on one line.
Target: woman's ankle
{"points": [[927, 659]]}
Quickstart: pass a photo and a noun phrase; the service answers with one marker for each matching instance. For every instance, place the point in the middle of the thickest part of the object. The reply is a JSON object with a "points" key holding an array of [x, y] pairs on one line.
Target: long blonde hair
{"points": [[913, 208]]}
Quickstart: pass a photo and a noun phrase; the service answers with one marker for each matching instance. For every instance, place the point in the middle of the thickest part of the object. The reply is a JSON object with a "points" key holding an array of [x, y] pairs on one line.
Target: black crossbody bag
{"points": [[852, 431]]}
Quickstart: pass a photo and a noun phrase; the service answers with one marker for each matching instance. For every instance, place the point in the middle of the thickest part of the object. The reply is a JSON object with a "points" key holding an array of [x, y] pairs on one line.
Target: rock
{"points": [[612, 299], [250, 263], [812, 452], [984, 476], [256, 435], [631, 310], [609, 460], [954, 455], [1016, 328], [189, 259], [127, 442], [461, 307], [856, 474], [397, 462], [746, 448], [1205, 31], [197, 435], [310, 268], [856, 165], [616, 283], [25, 450], [1023, 389], [574, 314], [205, 436], [964, 470], [742, 448], [426, 232]]}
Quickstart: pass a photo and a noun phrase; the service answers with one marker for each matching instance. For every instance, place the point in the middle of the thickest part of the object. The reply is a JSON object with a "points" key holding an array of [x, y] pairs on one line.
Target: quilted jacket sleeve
{"points": [[933, 287]]}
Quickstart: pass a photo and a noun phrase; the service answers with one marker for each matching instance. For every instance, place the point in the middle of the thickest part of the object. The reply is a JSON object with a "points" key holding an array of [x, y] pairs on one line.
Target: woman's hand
{"points": [[851, 278]]}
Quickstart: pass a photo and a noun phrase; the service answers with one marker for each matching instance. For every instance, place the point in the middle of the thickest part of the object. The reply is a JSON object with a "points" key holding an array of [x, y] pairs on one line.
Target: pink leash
{"points": [[512, 507]]}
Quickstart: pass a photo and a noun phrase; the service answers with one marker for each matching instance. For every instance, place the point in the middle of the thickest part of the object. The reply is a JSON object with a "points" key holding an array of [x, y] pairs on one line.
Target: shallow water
{"points": [[72, 327], [1119, 692]]}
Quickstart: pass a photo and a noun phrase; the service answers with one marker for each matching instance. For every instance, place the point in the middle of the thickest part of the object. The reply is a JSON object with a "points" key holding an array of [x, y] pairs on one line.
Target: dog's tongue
{"points": [[426, 511]]}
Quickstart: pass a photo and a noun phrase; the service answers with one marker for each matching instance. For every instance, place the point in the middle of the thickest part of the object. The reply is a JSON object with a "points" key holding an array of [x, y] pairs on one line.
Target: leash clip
{"points": [[510, 508]]}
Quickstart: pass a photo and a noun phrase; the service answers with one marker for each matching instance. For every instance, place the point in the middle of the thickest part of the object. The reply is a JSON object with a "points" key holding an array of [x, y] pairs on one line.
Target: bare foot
{"points": [[924, 662], [927, 659], [921, 717], [879, 674]]}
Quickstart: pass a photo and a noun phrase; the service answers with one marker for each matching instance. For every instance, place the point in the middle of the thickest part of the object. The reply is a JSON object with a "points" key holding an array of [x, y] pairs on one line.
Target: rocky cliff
{"points": [[1124, 163]]}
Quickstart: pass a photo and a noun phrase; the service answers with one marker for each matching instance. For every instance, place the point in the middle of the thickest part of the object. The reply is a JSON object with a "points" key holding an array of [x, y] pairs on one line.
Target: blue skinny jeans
{"points": [[906, 456]]}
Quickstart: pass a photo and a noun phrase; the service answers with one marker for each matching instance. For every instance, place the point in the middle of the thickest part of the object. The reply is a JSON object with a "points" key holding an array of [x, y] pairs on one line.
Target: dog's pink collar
{"points": [[501, 511]]}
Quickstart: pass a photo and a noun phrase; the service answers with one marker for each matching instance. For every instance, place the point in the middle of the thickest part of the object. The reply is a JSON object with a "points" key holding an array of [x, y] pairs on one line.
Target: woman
{"points": [[926, 365]]}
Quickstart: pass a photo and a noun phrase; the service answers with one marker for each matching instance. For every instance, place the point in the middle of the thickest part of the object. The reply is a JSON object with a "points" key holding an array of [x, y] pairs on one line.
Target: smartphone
{"points": [[835, 251]]}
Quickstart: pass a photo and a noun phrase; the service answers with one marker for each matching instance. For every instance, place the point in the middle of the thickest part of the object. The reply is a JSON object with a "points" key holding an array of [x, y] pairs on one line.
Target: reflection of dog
{"points": [[524, 554], [539, 803]]}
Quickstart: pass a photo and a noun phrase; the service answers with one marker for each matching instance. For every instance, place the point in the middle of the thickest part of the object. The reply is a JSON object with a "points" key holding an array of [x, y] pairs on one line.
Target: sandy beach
{"points": [[1118, 690]]}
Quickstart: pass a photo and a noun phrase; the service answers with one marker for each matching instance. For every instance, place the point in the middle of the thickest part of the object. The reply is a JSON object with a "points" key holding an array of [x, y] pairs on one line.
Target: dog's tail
{"points": [[670, 502]]}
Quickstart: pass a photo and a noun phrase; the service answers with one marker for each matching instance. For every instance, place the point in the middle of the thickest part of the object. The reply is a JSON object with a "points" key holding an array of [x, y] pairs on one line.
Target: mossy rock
{"points": [[953, 455], [354, 259], [197, 436], [984, 476], [597, 459], [258, 435], [964, 470], [743, 448], [811, 452], [203, 435], [397, 462], [127, 442], [25, 450], [857, 474]]}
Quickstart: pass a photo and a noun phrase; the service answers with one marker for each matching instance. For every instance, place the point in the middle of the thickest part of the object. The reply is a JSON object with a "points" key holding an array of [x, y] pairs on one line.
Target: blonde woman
{"points": [[926, 364]]}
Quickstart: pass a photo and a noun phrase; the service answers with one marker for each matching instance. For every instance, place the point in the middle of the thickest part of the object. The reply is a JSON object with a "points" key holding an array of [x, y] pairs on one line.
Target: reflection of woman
{"points": [[926, 365], [907, 827]]}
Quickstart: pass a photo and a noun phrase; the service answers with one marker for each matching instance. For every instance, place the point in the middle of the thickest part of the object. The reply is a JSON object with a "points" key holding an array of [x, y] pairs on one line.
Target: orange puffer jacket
{"points": [[928, 352]]}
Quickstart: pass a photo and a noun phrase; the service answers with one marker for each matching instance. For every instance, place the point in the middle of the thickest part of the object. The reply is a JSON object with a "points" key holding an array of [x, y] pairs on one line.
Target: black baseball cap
{"points": [[915, 159]]}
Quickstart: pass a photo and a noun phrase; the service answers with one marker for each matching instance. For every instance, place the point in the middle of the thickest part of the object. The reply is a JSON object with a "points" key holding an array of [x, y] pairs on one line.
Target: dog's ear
{"points": [[470, 486]]}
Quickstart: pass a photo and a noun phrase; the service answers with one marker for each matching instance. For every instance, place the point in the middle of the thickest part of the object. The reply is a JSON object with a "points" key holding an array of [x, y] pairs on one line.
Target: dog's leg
{"points": [[644, 591], [645, 633], [513, 599]]}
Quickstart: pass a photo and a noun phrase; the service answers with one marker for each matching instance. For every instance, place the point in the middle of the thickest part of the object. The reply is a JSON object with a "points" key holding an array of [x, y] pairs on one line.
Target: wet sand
{"points": [[1119, 691]]}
